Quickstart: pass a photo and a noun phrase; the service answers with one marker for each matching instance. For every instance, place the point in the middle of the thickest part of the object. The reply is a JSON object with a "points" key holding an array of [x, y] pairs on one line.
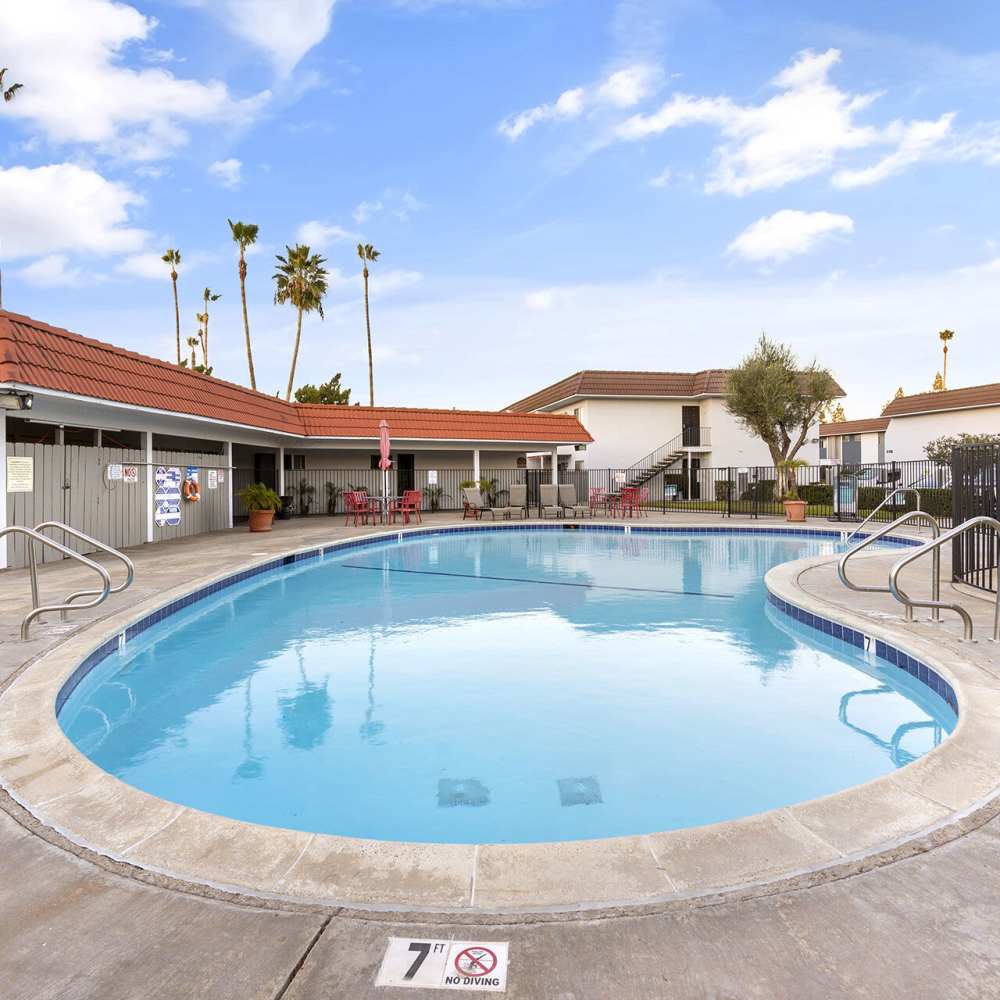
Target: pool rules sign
{"points": [[444, 965]]}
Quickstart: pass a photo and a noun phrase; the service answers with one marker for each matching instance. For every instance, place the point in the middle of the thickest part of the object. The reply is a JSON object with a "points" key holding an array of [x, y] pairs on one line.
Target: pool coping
{"points": [[940, 795]]}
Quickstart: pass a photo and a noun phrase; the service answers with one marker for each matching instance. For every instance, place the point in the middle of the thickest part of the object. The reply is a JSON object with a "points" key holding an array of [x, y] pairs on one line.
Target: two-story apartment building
{"points": [[651, 418], [909, 423]]}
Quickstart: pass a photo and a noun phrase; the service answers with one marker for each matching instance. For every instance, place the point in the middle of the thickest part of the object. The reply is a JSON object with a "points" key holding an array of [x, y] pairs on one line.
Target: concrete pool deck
{"points": [[610, 954]]}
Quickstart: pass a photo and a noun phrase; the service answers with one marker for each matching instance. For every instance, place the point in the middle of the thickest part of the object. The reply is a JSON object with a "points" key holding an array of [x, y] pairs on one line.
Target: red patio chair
{"points": [[629, 501], [643, 501], [358, 505], [596, 499], [409, 504]]}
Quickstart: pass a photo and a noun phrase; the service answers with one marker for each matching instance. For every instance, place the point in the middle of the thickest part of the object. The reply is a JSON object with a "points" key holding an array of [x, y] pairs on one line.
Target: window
{"points": [[294, 462], [122, 439], [20, 431], [85, 436], [168, 442]]}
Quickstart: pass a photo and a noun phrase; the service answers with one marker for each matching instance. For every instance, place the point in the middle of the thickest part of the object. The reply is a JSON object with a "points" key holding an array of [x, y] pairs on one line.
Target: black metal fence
{"points": [[976, 475], [842, 492]]}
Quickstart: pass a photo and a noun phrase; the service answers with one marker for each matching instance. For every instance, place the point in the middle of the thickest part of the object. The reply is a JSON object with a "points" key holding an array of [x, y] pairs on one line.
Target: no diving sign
{"points": [[445, 965]]}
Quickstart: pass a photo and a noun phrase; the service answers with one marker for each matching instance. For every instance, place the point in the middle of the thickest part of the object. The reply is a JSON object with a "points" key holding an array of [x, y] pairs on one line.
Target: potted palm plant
{"points": [[306, 493], [262, 503], [333, 494], [795, 507]]}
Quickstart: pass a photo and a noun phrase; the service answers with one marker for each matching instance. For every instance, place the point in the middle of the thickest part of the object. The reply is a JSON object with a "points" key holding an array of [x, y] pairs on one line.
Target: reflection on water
{"points": [[472, 689]]}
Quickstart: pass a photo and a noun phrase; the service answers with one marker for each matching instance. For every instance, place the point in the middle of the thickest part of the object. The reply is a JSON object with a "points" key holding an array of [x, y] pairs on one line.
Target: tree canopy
{"points": [[939, 450], [328, 392], [778, 399]]}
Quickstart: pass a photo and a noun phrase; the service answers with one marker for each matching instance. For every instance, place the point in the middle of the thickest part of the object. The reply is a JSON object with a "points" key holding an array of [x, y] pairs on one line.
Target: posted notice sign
{"points": [[20, 474], [444, 965]]}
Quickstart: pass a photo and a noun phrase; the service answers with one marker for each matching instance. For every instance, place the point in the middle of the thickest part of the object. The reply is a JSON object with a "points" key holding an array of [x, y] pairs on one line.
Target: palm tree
{"points": [[300, 279], [209, 296], [193, 342], [173, 258], [368, 253], [945, 336], [245, 235], [8, 92]]}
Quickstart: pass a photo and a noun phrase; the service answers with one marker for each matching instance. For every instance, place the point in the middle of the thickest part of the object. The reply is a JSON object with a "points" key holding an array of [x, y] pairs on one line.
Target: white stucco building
{"points": [[909, 423], [653, 418]]}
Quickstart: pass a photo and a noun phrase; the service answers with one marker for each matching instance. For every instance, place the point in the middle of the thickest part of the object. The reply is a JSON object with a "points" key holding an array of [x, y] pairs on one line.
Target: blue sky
{"points": [[553, 184]]}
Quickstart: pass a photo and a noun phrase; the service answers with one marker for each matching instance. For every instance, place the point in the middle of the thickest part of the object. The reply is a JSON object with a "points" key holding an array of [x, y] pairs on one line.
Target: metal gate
{"points": [[70, 484], [975, 479]]}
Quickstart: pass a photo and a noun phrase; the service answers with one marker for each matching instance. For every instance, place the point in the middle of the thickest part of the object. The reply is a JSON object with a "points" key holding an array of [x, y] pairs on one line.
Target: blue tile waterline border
{"points": [[109, 646], [917, 669]]}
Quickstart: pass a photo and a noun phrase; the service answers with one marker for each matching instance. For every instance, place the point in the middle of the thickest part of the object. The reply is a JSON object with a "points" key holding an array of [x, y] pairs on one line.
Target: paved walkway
{"points": [[928, 926]]}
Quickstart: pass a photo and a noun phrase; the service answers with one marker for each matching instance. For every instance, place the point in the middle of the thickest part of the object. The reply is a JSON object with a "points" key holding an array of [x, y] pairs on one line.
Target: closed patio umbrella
{"points": [[384, 462]]}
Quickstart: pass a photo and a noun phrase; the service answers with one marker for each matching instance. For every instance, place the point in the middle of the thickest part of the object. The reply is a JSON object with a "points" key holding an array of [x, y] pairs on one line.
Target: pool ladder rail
{"points": [[933, 547], [36, 536]]}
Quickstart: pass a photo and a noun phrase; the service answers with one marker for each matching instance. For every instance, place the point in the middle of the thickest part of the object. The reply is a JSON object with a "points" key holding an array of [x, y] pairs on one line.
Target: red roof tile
{"points": [[950, 399], [864, 426], [45, 357], [711, 382]]}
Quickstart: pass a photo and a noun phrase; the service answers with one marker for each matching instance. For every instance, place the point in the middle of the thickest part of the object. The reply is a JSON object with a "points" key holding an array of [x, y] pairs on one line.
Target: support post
{"points": [[475, 465], [228, 463], [147, 451], [555, 466], [3, 486], [281, 471]]}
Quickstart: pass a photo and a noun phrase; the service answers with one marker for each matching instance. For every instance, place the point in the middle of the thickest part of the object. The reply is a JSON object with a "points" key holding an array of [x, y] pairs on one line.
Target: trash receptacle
{"points": [[287, 508]]}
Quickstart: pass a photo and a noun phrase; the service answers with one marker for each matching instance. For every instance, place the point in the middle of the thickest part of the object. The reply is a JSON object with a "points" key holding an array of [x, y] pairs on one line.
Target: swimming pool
{"points": [[504, 685]]}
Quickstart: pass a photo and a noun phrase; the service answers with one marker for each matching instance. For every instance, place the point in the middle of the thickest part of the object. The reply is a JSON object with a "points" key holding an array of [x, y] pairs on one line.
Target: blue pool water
{"points": [[502, 686]]}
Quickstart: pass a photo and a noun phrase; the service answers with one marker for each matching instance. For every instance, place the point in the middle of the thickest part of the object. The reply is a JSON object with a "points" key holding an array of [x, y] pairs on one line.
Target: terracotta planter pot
{"points": [[795, 510], [261, 520]]}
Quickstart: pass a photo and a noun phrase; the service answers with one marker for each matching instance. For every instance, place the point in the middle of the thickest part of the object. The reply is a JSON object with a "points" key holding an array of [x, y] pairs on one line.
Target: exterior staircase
{"points": [[666, 455]]}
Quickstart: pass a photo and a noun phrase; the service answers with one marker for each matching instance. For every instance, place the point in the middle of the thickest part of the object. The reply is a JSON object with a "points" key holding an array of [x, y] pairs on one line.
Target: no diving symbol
{"points": [[475, 961]]}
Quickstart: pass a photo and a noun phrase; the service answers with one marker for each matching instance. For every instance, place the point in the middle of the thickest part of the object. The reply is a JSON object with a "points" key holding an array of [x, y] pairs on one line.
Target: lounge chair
{"points": [[476, 505], [517, 500], [549, 494], [568, 501]]}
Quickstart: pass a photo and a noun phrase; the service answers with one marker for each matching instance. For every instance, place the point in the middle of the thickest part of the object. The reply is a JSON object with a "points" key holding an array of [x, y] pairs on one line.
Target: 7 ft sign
{"points": [[444, 965]]}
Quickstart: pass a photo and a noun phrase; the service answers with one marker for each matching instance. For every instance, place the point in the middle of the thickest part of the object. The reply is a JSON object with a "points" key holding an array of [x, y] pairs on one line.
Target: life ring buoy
{"points": [[192, 491]]}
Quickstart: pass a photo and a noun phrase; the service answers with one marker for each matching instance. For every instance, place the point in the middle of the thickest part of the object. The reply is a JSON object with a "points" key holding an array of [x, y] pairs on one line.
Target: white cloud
{"points": [[227, 172], [787, 233], [623, 88], [398, 203], [320, 235], [662, 179], [366, 210], [81, 90], [52, 272], [915, 141], [285, 29], [797, 133], [64, 207], [146, 265]]}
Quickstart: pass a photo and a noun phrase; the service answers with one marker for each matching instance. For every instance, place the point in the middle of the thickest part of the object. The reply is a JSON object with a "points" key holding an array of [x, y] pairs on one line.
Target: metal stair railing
{"points": [[675, 446], [36, 608], [888, 497], [911, 515], [982, 520], [75, 533]]}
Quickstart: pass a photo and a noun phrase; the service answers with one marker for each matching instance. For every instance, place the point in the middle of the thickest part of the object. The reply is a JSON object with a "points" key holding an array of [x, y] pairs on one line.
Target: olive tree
{"points": [[778, 399], [939, 450]]}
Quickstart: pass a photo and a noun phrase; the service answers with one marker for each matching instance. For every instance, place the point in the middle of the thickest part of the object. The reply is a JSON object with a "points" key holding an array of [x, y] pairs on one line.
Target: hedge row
{"points": [[934, 500]]}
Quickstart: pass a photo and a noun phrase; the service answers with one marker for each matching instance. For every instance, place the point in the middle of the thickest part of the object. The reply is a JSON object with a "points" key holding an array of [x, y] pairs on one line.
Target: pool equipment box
{"points": [[430, 964]]}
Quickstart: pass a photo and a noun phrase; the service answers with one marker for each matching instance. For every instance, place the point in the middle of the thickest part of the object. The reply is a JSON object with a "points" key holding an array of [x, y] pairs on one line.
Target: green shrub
{"points": [[761, 491], [817, 494], [724, 489], [935, 500]]}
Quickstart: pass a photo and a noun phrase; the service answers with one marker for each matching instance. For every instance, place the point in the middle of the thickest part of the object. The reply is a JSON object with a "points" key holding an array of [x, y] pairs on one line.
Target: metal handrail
{"points": [[36, 609], [911, 515], [129, 567], [674, 445], [888, 497], [933, 545]]}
